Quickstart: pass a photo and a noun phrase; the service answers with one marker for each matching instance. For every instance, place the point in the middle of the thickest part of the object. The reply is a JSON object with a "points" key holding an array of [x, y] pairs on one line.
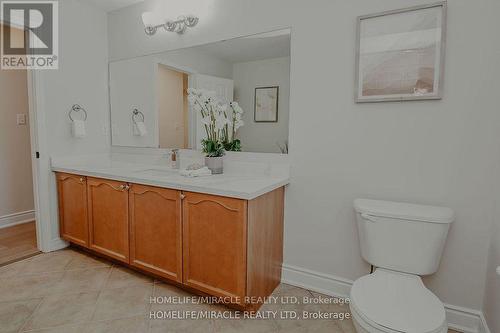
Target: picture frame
{"points": [[400, 54], [266, 102]]}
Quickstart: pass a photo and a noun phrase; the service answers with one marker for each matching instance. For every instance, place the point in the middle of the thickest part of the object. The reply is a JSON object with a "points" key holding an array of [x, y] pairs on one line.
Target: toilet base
{"points": [[363, 326]]}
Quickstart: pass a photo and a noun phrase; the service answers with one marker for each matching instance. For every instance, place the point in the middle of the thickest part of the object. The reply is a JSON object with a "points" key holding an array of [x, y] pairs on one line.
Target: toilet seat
{"points": [[393, 302]]}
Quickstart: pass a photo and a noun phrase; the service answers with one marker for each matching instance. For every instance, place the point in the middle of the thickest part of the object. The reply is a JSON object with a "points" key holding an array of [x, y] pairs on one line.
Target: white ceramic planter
{"points": [[215, 164]]}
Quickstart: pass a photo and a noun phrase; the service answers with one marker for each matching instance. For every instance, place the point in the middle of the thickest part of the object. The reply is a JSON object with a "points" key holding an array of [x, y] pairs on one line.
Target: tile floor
{"points": [[71, 292]]}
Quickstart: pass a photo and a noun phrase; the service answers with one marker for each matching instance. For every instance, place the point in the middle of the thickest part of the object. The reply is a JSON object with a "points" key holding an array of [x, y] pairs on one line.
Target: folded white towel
{"points": [[140, 128], [78, 129], [196, 173]]}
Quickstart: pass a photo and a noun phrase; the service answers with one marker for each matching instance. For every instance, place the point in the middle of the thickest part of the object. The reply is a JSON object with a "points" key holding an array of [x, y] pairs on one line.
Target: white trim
{"points": [[37, 133], [57, 244], [483, 325], [40, 167], [459, 318], [16, 218], [315, 281], [463, 319]]}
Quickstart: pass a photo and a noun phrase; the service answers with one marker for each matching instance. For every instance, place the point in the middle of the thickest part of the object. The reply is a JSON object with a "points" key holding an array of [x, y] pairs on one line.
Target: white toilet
{"points": [[402, 241]]}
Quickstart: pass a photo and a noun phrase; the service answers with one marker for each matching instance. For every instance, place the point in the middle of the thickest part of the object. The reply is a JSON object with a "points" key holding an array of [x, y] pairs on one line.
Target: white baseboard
{"points": [[315, 281], [16, 218], [57, 244], [483, 328], [459, 318]]}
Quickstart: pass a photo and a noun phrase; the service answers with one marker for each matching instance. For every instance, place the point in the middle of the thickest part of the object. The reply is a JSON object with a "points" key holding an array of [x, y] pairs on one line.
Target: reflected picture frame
{"points": [[400, 54], [266, 102]]}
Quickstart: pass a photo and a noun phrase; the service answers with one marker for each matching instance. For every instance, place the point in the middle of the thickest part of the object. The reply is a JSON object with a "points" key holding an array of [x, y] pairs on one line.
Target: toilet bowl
{"points": [[403, 241], [388, 302]]}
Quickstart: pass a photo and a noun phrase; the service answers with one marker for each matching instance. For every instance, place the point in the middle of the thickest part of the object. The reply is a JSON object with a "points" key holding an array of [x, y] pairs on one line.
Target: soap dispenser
{"points": [[175, 159]]}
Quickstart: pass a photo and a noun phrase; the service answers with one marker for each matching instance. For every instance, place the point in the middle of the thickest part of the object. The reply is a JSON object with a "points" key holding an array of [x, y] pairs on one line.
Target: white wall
{"points": [[16, 195], [81, 78], [262, 137], [491, 304], [492, 293], [434, 152]]}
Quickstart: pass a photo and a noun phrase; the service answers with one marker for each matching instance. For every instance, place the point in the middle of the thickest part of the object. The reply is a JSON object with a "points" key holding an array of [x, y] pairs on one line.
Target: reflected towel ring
{"points": [[77, 108], [136, 113]]}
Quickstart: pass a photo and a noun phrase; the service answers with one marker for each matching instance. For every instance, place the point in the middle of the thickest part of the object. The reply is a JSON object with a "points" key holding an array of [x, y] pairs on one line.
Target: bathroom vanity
{"points": [[189, 231]]}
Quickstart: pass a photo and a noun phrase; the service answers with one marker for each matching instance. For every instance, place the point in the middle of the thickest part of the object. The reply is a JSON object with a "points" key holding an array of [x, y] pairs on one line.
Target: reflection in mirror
{"points": [[252, 71]]}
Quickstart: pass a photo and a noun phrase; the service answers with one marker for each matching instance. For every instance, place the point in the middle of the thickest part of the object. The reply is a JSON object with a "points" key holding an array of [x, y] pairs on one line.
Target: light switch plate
{"points": [[21, 119]]}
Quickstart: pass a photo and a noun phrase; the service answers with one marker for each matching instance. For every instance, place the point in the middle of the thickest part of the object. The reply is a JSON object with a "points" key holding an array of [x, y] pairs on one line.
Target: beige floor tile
{"points": [[121, 277], [311, 326], [182, 326], [246, 325], [165, 289], [124, 325], [13, 315], [283, 288], [59, 329], [85, 280], [82, 260], [337, 306], [28, 287], [58, 310], [123, 302], [181, 300], [14, 269], [295, 301], [48, 262]]}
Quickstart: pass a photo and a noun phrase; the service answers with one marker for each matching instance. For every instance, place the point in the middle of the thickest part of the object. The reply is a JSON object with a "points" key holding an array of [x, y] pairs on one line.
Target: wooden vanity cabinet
{"points": [[107, 202], [72, 194], [233, 248], [156, 230], [215, 244], [220, 246]]}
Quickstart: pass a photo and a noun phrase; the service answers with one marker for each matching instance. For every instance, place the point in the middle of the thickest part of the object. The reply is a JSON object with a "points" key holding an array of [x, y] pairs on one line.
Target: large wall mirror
{"points": [[149, 94]]}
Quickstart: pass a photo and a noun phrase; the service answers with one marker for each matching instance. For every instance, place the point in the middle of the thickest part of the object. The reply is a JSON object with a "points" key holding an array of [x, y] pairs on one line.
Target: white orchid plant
{"points": [[221, 121]]}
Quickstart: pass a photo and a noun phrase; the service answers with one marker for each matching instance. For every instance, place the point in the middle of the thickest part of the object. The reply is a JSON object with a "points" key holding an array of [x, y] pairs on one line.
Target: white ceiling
{"points": [[252, 48], [110, 5]]}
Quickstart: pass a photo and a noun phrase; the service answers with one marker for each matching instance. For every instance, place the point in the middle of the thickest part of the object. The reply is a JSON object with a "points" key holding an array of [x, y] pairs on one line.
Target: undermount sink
{"points": [[157, 172]]}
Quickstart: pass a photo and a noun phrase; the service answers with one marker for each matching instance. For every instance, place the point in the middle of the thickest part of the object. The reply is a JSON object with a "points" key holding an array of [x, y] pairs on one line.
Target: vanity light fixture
{"points": [[180, 25]]}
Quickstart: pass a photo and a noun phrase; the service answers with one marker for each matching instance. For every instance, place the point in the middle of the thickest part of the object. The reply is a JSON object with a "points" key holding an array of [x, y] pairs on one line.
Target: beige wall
{"points": [[432, 152], [171, 108], [16, 182], [254, 136]]}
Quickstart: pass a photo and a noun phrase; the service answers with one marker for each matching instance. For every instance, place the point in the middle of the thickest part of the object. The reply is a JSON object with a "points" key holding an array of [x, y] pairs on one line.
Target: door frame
{"points": [[191, 116], [40, 167]]}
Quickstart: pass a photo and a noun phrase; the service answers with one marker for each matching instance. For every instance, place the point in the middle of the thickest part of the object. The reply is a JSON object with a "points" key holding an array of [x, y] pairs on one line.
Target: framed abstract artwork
{"points": [[400, 54], [266, 104]]}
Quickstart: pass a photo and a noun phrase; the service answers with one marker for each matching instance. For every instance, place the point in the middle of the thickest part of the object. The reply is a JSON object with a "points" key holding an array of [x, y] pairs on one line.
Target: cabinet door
{"points": [[72, 194], [155, 231], [108, 217], [214, 241]]}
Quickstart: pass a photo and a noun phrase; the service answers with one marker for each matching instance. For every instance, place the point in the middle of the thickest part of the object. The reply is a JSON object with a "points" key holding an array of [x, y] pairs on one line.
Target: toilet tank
{"points": [[401, 236]]}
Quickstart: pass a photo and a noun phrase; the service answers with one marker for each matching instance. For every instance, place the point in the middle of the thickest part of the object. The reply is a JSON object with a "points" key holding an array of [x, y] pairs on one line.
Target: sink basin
{"points": [[157, 172]]}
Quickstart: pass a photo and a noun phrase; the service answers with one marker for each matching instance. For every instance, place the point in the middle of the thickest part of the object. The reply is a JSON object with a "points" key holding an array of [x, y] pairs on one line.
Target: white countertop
{"points": [[242, 186]]}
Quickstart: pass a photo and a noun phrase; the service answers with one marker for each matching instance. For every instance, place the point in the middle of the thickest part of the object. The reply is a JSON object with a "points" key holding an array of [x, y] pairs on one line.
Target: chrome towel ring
{"points": [[77, 108], [136, 113]]}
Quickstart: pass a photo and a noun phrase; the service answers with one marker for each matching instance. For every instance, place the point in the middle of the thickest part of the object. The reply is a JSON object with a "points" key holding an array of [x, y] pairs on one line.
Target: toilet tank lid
{"points": [[405, 211]]}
